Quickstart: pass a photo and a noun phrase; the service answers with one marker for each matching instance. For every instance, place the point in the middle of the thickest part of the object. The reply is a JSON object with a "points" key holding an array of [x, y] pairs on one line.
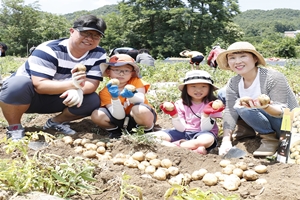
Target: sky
{"points": [[70, 6]]}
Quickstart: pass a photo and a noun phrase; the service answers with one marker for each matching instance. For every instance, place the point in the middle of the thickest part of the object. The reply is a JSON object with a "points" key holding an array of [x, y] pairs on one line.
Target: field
{"points": [[54, 170]]}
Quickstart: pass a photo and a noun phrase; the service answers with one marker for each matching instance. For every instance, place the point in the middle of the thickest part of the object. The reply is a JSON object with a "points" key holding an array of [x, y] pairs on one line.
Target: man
{"points": [[3, 48], [49, 81]]}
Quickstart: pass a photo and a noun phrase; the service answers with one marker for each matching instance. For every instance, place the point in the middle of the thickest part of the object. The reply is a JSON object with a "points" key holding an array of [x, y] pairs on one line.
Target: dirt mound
{"points": [[282, 179]]}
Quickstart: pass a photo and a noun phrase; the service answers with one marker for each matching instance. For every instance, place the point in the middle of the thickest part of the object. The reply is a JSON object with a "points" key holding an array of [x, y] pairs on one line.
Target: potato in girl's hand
{"points": [[217, 104], [168, 106], [114, 81]]}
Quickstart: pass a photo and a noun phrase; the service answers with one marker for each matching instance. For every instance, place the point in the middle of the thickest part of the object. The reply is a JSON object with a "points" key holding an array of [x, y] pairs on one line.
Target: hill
{"points": [[256, 22]]}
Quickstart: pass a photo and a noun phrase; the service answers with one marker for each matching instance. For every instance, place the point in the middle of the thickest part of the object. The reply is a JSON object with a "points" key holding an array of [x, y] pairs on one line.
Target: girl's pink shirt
{"points": [[191, 120]]}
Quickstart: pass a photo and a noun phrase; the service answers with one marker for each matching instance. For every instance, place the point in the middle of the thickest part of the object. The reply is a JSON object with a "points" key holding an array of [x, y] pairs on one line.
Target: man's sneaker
{"points": [[15, 135], [61, 128]]}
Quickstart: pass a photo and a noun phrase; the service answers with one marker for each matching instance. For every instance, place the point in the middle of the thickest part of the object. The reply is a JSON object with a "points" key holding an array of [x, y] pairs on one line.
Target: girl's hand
{"points": [[168, 112], [208, 109]]}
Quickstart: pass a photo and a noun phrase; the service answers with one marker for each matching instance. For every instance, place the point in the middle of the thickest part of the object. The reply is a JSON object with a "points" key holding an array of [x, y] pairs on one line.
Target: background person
{"points": [[3, 49], [119, 103], [145, 58], [250, 82], [49, 82], [193, 118], [212, 57], [196, 57]]}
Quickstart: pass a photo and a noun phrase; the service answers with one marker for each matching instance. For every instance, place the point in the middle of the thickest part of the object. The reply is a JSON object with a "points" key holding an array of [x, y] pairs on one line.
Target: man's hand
{"points": [[78, 77], [113, 90], [208, 109], [225, 147], [73, 97], [171, 113]]}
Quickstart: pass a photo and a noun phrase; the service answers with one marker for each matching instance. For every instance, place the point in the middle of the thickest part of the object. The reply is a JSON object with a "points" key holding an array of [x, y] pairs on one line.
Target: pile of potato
{"points": [[90, 148], [231, 176]]}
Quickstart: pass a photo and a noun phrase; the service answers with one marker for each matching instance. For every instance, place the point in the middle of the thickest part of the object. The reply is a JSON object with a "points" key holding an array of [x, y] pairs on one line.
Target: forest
{"points": [[165, 28]]}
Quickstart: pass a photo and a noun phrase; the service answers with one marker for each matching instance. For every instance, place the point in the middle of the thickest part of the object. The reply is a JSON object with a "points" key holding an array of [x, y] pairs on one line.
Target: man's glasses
{"points": [[86, 34], [118, 71]]}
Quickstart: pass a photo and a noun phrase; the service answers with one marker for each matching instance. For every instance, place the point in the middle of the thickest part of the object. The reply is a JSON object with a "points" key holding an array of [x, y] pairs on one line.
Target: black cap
{"points": [[90, 22]]}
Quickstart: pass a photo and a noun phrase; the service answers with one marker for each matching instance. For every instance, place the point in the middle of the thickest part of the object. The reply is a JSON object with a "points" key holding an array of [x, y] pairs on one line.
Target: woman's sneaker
{"points": [[61, 128], [15, 135]]}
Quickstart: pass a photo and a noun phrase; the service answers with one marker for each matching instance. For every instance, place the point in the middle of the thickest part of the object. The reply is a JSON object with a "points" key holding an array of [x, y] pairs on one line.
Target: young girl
{"points": [[193, 117], [251, 81], [122, 108]]}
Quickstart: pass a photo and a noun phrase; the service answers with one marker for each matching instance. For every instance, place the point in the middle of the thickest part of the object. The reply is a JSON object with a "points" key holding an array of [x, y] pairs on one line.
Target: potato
{"points": [[150, 156], [245, 100], [261, 181], [118, 161], [173, 171], [80, 67], [77, 142], [168, 106], [101, 150], [250, 175], [131, 163], [100, 143], [239, 172], [224, 163], [232, 182], [155, 162], [84, 141], [109, 145], [260, 169], [166, 163], [264, 99], [242, 165], [90, 146], [139, 156], [227, 170], [217, 104], [78, 149], [210, 179], [220, 176], [67, 140], [141, 167], [177, 179], [90, 154], [146, 163], [150, 169], [130, 87], [114, 81], [199, 174], [160, 174]]}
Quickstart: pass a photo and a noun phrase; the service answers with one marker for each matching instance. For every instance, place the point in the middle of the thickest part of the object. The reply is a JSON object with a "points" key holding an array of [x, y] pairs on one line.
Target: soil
{"points": [[283, 180]]}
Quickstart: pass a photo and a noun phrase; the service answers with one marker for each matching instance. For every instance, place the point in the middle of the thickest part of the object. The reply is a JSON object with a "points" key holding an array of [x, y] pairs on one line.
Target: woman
{"points": [[250, 82]]}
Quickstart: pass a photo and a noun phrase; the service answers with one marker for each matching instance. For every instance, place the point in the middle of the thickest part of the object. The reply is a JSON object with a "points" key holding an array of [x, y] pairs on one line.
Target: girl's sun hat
{"points": [[239, 47], [120, 60], [197, 76]]}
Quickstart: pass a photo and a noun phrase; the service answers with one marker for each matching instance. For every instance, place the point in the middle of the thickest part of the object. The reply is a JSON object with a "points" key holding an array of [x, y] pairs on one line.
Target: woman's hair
{"points": [[187, 99]]}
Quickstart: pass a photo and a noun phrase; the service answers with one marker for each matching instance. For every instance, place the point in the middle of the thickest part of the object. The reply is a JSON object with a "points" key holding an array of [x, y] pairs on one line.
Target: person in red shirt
{"points": [[212, 57]]}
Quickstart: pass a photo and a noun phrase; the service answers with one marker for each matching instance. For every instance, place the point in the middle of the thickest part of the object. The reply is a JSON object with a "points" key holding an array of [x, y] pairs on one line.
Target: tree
{"points": [[169, 26], [24, 26]]}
